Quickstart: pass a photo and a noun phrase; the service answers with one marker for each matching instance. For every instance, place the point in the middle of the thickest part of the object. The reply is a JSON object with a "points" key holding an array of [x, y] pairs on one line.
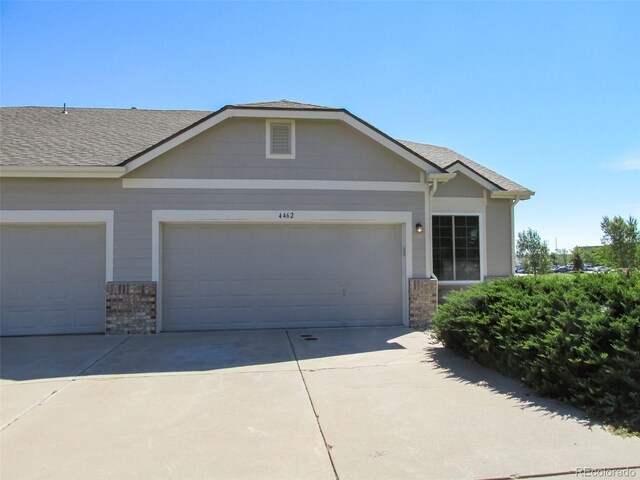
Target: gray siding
{"points": [[325, 150], [499, 238], [132, 210], [460, 186]]}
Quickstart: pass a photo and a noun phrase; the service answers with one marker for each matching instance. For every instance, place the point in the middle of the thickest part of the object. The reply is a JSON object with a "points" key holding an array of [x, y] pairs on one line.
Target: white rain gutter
{"points": [[62, 171]]}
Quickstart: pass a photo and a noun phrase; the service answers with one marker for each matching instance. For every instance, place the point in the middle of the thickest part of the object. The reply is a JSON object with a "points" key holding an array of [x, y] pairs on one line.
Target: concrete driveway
{"points": [[360, 403]]}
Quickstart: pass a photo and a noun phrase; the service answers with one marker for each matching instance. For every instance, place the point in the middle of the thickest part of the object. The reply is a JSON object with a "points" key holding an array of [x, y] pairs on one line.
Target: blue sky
{"points": [[547, 94]]}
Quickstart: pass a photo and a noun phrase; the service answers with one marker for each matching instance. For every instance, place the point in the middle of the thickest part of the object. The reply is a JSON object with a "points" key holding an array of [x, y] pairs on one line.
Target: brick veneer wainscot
{"points": [[423, 302], [131, 308]]}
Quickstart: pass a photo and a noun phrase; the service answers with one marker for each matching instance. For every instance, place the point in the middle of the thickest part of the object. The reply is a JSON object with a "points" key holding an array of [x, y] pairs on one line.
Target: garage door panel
{"points": [[271, 287], [88, 317], [56, 319], [261, 276], [54, 293], [273, 314], [20, 262], [87, 292], [52, 262], [15, 318], [53, 279], [179, 288]]}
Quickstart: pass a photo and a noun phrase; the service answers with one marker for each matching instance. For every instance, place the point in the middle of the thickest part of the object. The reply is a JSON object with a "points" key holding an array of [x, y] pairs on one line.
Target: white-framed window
{"points": [[281, 138], [456, 247]]}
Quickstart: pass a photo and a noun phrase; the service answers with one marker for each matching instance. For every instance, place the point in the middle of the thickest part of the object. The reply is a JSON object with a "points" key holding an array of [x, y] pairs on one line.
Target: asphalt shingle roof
{"points": [[44, 136], [285, 104], [445, 157]]}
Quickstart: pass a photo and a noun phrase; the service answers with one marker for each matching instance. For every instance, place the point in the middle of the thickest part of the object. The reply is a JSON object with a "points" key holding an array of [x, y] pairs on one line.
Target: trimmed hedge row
{"points": [[571, 337]]}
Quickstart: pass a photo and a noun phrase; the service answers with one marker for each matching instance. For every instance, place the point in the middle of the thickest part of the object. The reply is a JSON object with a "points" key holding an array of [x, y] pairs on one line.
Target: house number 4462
{"points": [[287, 215]]}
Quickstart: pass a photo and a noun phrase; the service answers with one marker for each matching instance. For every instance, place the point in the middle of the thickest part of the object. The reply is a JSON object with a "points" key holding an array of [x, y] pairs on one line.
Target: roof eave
{"points": [[513, 194], [230, 111], [16, 171]]}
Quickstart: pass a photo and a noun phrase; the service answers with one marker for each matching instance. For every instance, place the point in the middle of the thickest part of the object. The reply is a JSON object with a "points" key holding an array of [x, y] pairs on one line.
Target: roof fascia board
{"points": [[253, 112], [61, 172], [458, 166], [389, 142], [520, 194], [281, 113], [172, 142], [348, 118]]}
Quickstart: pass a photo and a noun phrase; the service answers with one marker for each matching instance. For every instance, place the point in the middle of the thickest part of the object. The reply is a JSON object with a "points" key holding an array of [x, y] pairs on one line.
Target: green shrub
{"points": [[571, 337]]}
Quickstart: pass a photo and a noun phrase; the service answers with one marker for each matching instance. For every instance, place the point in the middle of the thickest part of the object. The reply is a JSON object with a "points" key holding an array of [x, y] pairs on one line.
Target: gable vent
{"points": [[280, 138]]}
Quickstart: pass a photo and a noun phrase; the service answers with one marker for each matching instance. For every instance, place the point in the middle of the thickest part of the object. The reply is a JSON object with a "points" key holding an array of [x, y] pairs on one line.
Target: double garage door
{"points": [[214, 276], [52, 279], [227, 276]]}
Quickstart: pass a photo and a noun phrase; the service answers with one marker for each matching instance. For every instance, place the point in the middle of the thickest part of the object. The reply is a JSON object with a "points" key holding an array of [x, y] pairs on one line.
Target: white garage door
{"points": [[52, 279], [272, 276]]}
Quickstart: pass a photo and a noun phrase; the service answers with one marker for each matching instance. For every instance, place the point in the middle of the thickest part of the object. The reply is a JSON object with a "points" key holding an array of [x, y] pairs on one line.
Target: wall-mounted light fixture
{"points": [[419, 227]]}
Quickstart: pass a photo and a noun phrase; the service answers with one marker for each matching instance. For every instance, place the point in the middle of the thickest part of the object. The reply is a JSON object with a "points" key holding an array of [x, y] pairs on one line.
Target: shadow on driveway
{"points": [[460, 369], [49, 357]]}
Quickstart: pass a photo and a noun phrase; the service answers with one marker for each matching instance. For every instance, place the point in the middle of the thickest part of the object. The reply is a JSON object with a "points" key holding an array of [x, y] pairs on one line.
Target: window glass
{"points": [[456, 247]]}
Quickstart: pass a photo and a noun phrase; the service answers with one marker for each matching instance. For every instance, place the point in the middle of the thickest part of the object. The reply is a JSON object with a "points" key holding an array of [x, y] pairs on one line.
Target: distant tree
{"points": [[594, 255], [563, 256], [576, 260], [534, 252], [600, 255], [623, 239]]}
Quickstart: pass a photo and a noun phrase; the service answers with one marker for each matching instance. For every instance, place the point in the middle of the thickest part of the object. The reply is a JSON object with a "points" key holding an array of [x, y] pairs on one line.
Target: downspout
{"points": [[513, 235], [430, 191]]}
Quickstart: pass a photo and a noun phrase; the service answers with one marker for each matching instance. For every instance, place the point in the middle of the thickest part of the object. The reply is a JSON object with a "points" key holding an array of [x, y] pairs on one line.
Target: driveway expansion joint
{"points": [[70, 380], [357, 367], [126, 339], [315, 413], [32, 407]]}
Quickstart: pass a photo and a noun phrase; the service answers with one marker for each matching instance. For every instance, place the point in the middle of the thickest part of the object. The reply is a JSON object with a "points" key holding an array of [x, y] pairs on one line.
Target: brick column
{"points": [[423, 301], [131, 308]]}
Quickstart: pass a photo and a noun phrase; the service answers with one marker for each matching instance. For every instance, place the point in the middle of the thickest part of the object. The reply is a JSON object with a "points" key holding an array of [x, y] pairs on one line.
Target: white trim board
{"points": [[459, 204], [158, 217], [61, 172], [68, 217], [459, 167], [258, 184]]}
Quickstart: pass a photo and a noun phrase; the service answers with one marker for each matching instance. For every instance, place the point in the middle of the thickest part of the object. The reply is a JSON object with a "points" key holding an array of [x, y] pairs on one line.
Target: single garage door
{"points": [[52, 279], [221, 276]]}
